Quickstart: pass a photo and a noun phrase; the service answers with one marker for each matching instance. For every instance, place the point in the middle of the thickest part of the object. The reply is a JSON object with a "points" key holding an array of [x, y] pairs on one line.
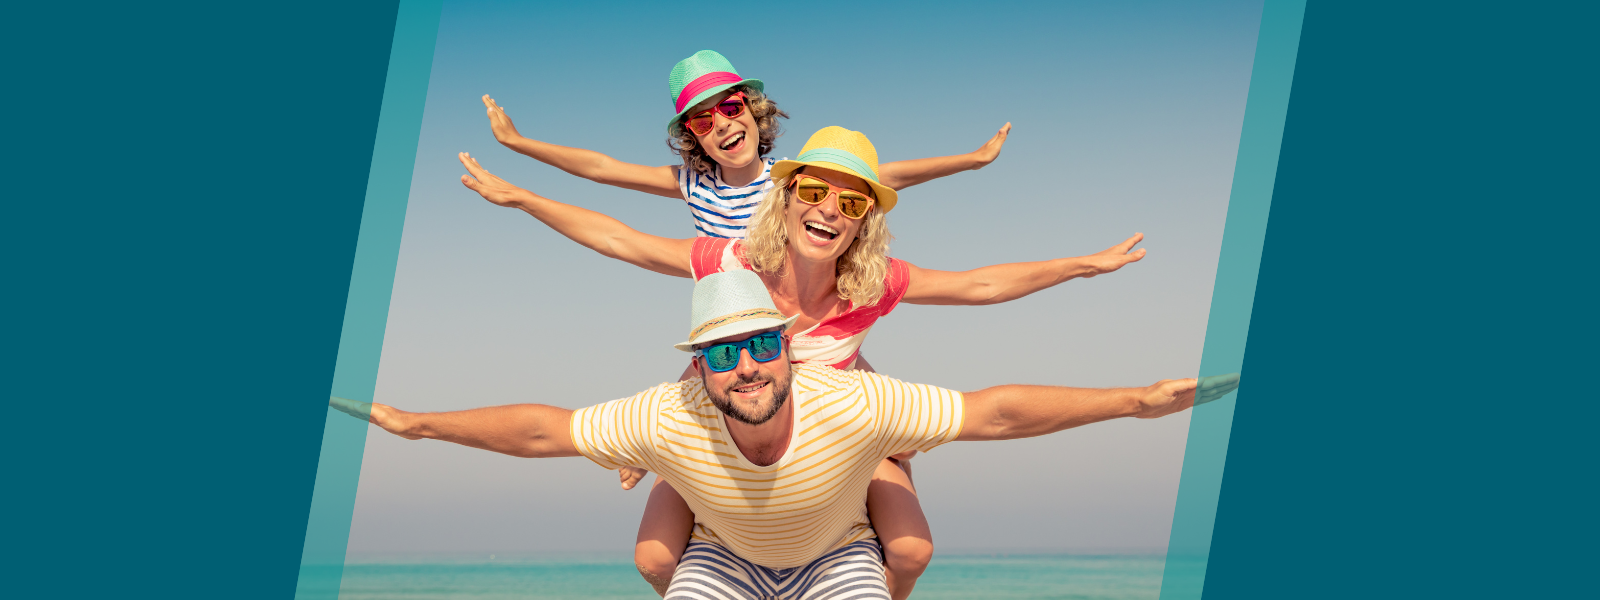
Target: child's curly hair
{"points": [[766, 112]]}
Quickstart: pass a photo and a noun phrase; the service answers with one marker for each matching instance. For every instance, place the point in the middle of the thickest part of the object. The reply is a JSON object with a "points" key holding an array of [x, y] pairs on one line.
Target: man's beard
{"points": [[724, 401]]}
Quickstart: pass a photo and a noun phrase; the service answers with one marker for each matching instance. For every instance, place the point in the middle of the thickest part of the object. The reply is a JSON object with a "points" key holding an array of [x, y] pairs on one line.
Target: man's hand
{"points": [[493, 189], [1115, 257], [1215, 387], [1166, 397], [385, 417], [500, 123], [991, 148]]}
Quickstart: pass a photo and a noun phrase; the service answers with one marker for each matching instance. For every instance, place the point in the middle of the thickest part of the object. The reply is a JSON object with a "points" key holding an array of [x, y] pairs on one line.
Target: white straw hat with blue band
{"points": [[731, 303]]}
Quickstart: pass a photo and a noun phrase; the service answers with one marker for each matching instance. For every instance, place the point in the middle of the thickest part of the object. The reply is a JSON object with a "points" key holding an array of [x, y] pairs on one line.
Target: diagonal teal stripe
{"points": [[1233, 294], [367, 307]]}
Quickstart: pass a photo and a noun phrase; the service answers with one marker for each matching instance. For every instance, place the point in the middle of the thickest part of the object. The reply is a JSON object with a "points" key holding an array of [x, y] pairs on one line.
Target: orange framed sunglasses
{"points": [[811, 190], [702, 123]]}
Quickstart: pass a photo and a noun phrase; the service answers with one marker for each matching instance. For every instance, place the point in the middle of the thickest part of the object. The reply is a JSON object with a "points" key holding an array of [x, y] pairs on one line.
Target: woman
{"points": [[820, 245]]}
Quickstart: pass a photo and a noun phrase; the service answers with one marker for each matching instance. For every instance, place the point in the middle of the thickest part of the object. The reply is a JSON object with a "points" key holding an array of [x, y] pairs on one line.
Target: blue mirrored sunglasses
{"points": [[722, 358]]}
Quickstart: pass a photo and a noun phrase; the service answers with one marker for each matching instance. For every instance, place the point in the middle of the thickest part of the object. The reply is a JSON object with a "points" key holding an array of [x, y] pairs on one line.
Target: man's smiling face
{"points": [[752, 392]]}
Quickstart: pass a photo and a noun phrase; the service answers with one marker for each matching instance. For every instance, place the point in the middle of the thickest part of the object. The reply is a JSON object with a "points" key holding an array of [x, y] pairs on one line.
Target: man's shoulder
{"points": [[662, 396], [825, 378], [679, 398]]}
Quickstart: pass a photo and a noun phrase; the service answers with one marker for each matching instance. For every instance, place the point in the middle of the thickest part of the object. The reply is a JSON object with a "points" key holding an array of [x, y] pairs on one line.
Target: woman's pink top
{"points": [[836, 341]]}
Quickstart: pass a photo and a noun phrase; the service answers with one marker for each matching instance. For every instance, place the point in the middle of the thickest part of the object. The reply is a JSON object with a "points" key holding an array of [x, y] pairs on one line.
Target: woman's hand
{"points": [[493, 189]]}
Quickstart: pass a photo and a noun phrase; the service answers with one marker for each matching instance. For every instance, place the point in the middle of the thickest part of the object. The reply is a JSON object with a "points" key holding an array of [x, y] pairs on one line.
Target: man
{"points": [[773, 458]]}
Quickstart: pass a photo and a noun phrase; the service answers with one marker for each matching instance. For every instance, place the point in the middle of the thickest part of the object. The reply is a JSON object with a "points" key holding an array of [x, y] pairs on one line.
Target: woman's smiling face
{"points": [[819, 232]]}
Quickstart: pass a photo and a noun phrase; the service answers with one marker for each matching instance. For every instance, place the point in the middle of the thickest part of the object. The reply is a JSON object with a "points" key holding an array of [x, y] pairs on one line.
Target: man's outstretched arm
{"points": [[522, 430], [1011, 412]]}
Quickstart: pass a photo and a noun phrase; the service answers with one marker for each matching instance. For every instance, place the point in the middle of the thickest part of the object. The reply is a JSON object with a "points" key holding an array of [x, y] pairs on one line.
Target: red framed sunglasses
{"points": [[702, 123]]}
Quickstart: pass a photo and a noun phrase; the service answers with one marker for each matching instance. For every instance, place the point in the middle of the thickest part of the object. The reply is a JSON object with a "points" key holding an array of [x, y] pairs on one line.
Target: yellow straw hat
{"points": [[838, 149]]}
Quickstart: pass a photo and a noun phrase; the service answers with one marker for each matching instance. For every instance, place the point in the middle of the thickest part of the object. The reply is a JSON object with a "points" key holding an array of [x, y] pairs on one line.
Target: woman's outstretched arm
{"points": [[1004, 283], [588, 164], [593, 230]]}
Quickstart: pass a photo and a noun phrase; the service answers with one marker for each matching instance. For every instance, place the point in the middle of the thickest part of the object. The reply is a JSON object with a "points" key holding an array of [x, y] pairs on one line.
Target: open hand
{"points": [[631, 476], [1166, 397], [493, 189], [1215, 387], [991, 148], [1115, 257], [385, 417], [500, 122]]}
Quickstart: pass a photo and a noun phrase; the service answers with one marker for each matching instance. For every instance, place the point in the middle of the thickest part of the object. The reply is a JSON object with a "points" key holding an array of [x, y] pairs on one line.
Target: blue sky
{"points": [[1126, 118]]}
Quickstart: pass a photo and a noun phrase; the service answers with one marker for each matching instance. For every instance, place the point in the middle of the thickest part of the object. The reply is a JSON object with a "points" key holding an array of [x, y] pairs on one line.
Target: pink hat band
{"points": [[703, 83]]}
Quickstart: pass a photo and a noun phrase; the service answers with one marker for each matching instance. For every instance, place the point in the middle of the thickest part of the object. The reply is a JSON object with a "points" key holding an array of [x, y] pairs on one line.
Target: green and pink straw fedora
{"points": [[699, 77]]}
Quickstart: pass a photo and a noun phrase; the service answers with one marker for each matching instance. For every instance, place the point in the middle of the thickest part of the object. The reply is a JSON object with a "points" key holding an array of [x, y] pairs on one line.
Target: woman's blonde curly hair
{"points": [[766, 112], [861, 269]]}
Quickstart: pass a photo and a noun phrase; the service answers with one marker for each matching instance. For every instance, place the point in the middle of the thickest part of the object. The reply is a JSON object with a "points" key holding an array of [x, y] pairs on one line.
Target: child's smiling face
{"points": [[732, 143]]}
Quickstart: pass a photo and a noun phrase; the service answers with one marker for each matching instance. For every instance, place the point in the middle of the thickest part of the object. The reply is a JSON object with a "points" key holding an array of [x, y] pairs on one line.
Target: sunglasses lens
{"points": [[766, 346], [700, 124], [731, 108], [854, 205], [811, 191], [722, 358]]}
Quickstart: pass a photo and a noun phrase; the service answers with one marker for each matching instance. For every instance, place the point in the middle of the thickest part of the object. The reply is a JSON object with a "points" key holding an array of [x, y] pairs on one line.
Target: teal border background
{"points": [[183, 189], [1254, 172], [355, 375], [1416, 417]]}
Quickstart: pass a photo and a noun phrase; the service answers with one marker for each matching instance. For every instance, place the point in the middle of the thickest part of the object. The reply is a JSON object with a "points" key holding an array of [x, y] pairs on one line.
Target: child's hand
{"points": [[631, 476], [990, 149], [500, 123]]}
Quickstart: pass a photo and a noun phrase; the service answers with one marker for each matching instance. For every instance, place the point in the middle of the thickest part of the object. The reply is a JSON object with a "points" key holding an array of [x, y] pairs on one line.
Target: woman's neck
{"points": [[813, 286]]}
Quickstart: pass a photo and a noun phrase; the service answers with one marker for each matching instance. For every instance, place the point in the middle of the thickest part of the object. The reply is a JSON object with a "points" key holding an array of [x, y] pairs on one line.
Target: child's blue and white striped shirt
{"points": [[720, 210]]}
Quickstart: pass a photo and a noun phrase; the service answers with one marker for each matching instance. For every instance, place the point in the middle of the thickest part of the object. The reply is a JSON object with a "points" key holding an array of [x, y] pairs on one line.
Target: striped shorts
{"points": [[710, 572]]}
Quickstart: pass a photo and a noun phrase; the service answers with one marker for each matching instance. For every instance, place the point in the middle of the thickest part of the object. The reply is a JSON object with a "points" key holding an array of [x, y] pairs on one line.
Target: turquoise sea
{"points": [[612, 576]]}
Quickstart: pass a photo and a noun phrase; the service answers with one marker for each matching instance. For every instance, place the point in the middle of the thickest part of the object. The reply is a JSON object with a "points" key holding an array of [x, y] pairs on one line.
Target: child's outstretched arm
{"points": [[906, 173], [588, 164]]}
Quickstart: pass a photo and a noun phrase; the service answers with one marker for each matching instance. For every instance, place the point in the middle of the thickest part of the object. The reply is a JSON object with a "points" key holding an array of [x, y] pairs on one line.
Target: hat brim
{"points": [[733, 329], [673, 125], [886, 196]]}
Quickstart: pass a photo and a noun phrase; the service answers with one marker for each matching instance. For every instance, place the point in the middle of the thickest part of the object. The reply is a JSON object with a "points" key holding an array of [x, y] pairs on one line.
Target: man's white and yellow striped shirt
{"points": [[812, 500]]}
